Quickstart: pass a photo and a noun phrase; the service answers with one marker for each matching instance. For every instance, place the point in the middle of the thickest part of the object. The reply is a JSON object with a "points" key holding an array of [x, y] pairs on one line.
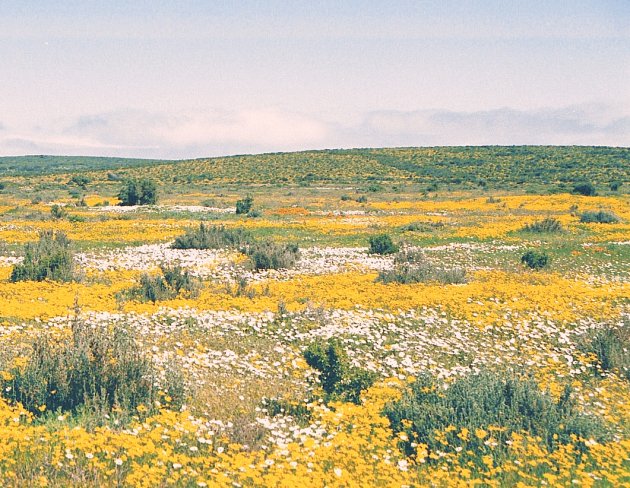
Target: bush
{"points": [[58, 212], [382, 244], [50, 258], [421, 273], [138, 192], [504, 403], [269, 255], [615, 185], [535, 259], [245, 205], [362, 199], [212, 237], [339, 380], [79, 180], [586, 189], [94, 368], [173, 282], [601, 217], [548, 225], [611, 345]]}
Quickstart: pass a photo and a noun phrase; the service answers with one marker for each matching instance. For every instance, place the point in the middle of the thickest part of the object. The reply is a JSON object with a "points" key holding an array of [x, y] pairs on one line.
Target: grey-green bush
{"points": [[270, 255], [599, 217], [97, 368], [49, 258], [487, 399], [611, 345], [212, 237], [548, 225]]}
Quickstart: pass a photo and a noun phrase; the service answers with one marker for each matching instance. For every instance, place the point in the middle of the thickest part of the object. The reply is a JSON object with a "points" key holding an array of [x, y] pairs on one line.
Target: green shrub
{"points": [[421, 226], [600, 217], [426, 413], [345, 198], [171, 283], [212, 237], [339, 380], [421, 273], [245, 205], [615, 185], [57, 212], [95, 368], [362, 199], [382, 244], [548, 225], [50, 258], [535, 259], [586, 189], [138, 192], [611, 345], [80, 181], [270, 255]]}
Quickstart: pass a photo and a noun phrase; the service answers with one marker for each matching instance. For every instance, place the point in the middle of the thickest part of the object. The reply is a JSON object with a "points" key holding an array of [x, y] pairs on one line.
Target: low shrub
{"points": [[486, 406], [421, 226], [548, 225], [244, 205], [424, 272], [171, 283], [611, 345], [95, 368], [587, 189], [600, 217], [50, 258], [212, 237], [382, 244], [270, 255], [57, 212], [535, 260], [615, 185], [339, 380]]}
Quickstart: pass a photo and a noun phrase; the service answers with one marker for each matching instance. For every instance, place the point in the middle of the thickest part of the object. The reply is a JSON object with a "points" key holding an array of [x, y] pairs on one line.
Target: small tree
{"points": [[138, 192]]}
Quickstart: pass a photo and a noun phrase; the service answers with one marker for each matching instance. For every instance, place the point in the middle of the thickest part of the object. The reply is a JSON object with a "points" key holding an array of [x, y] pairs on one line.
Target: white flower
{"points": [[337, 472], [118, 462]]}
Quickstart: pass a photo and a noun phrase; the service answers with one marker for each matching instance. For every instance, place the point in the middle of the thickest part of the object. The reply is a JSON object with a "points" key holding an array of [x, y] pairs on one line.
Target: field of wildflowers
{"points": [[251, 411]]}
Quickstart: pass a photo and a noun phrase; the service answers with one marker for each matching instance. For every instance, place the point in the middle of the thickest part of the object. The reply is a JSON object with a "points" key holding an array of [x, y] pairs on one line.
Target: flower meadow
{"points": [[322, 373]]}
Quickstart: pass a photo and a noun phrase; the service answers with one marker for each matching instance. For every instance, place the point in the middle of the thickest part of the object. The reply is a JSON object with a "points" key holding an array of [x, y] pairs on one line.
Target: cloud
{"points": [[199, 133], [579, 125]]}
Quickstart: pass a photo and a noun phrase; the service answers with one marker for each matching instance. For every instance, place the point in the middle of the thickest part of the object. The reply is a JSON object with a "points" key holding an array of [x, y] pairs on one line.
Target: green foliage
{"points": [[58, 212], [535, 259], [382, 244], [611, 345], [615, 185], [244, 205], [362, 199], [406, 273], [94, 368], [587, 189], [50, 258], [270, 255], [171, 283], [548, 225], [600, 217], [339, 380], [79, 180], [138, 192], [479, 401], [212, 237]]}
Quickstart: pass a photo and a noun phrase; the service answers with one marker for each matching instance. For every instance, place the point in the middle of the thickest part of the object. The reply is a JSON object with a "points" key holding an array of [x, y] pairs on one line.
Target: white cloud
{"points": [[199, 133]]}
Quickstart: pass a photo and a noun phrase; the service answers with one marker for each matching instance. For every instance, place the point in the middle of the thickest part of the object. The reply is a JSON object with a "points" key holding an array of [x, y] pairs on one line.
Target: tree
{"points": [[138, 192]]}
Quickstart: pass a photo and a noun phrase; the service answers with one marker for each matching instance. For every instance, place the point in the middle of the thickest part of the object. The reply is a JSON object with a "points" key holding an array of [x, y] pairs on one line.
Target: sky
{"points": [[184, 79]]}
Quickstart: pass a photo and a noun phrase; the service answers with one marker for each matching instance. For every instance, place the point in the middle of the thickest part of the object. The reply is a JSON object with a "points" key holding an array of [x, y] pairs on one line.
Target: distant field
{"points": [[510, 167]]}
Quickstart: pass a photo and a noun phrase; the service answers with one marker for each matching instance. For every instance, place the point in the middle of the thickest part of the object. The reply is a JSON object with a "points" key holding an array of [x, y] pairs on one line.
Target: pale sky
{"points": [[183, 79]]}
